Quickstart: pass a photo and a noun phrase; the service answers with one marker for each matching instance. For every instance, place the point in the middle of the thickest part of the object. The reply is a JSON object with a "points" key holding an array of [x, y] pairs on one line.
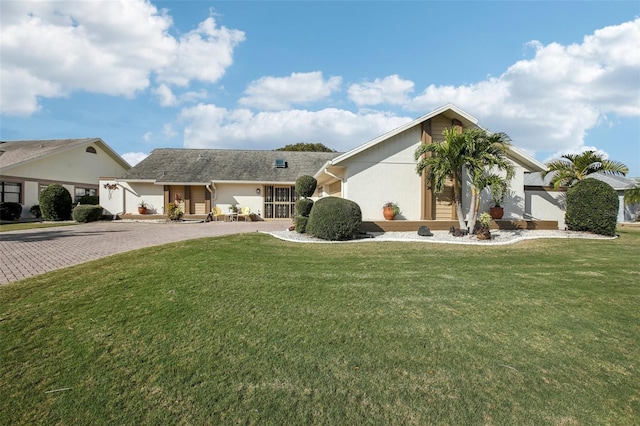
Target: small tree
{"points": [[55, 203]]}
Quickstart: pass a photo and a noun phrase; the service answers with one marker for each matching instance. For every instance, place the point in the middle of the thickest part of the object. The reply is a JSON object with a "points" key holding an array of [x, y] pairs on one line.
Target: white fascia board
{"points": [[402, 128], [531, 163], [136, 180], [255, 182], [182, 183]]}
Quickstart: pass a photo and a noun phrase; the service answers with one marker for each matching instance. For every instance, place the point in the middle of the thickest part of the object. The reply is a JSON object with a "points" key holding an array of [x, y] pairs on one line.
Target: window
{"points": [[279, 201], [11, 192], [91, 150], [81, 192]]}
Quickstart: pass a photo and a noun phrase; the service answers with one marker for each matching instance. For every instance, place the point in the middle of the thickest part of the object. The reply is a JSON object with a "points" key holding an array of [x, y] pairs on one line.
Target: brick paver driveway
{"points": [[36, 251]]}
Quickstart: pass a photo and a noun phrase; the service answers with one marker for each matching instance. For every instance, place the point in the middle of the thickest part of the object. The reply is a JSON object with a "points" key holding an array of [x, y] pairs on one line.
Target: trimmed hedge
{"points": [[89, 199], [10, 211], [306, 186], [55, 203], [87, 213], [334, 219], [301, 224], [303, 207], [592, 206]]}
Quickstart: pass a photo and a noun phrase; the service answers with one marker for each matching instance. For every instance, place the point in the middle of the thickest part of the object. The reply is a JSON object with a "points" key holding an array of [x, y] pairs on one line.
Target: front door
{"points": [[279, 201]]}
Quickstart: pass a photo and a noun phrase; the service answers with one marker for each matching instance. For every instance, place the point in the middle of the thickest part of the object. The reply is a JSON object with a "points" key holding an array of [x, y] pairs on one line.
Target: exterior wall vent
{"points": [[280, 164]]}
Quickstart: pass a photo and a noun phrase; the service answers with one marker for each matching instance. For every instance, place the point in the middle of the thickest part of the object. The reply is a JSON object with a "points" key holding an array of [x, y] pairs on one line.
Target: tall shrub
{"points": [[334, 219], [55, 203], [592, 206], [305, 187]]}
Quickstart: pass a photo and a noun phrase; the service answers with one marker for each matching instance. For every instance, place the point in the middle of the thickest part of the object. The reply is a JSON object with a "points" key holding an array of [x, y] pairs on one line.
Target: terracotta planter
{"points": [[496, 212], [387, 212], [142, 210]]}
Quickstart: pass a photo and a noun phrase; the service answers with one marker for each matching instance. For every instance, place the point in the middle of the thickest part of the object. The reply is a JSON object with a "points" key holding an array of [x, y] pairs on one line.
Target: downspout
{"points": [[214, 191], [124, 198]]}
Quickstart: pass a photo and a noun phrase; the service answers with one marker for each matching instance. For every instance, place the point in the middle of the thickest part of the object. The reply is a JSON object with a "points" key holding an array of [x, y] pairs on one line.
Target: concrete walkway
{"points": [[36, 251]]}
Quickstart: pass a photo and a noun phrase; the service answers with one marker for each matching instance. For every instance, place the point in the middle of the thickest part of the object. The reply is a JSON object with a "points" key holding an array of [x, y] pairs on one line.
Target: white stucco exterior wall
{"points": [[386, 172], [546, 205], [233, 194]]}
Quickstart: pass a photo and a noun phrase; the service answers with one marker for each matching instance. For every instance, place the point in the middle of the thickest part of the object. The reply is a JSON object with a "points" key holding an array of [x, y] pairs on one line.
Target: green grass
{"points": [[247, 329]]}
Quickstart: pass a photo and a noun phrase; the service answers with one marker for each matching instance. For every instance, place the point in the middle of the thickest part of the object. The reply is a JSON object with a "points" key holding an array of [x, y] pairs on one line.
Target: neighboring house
{"points": [[264, 181], [546, 202], [27, 167], [384, 169]]}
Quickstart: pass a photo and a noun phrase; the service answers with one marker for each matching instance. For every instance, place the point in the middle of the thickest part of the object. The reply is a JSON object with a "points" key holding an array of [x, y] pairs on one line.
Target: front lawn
{"points": [[248, 329]]}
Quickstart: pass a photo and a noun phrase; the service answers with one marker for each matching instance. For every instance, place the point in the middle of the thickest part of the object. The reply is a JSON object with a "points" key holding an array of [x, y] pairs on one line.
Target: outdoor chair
{"points": [[245, 214], [215, 214]]}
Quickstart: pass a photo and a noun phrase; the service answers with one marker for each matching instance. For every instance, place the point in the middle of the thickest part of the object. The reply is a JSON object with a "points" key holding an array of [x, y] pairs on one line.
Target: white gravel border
{"points": [[499, 237]]}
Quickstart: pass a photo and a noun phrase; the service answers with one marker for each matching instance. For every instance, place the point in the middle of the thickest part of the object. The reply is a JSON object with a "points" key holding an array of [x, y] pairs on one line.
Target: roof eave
{"points": [[398, 130]]}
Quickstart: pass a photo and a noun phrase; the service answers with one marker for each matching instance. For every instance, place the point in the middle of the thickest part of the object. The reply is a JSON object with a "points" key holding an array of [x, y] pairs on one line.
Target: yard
{"points": [[247, 329]]}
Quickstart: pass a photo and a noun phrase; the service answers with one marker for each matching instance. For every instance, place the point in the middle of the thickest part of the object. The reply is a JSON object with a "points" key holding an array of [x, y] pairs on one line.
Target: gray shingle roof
{"points": [[206, 165]]}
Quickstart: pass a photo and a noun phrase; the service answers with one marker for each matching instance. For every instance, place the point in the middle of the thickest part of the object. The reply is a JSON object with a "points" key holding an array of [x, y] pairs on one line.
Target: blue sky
{"points": [[558, 77]]}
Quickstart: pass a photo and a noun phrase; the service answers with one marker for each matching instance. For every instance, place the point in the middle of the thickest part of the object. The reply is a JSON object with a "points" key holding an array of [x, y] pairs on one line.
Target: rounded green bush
{"points": [[306, 186], [303, 207], [55, 203], [592, 206], [334, 219], [301, 224], [87, 213]]}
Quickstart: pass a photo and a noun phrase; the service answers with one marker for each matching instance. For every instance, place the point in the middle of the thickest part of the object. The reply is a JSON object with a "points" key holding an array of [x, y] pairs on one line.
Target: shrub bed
{"points": [[10, 211]]}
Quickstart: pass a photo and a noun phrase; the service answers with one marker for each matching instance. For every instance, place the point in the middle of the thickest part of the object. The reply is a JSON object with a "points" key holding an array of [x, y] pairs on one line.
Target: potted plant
{"points": [[498, 193], [482, 232], [390, 210], [142, 207]]}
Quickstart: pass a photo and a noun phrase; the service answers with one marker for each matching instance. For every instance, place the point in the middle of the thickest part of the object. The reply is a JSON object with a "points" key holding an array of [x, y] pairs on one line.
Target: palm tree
{"points": [[440, 161], [474, 150], [632, 196], [487, 154], [571, 168]]}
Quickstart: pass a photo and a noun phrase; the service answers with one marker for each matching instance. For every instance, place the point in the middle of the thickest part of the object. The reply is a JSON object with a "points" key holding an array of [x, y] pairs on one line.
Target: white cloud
{"points": [[208, 126], [167, 98], [549, 102], [165, 95], [391, 89], [167, 131], [278, 93], [203, 54], [134, 158], [147, 136], [50, 49]]}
